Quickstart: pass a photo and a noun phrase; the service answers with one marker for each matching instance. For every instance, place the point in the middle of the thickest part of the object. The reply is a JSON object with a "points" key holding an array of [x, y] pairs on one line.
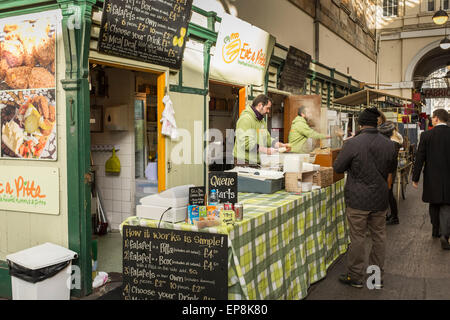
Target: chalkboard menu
{"points": [[226, 185], [162, 264], [152, 31], [295, 70], [197, 196]]}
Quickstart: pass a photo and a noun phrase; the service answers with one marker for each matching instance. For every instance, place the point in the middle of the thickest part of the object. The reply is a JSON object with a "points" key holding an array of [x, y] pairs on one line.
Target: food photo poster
{"points": [[28, 87]]}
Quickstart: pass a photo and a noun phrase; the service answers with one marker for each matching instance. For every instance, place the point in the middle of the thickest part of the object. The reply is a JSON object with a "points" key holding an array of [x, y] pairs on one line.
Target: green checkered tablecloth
{"points": [[285, 243]]}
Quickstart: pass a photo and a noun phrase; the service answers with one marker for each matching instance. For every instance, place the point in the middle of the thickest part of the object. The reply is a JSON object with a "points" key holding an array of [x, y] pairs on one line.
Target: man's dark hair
{"points": [[263, 99], [301, 110], [441, 114]]}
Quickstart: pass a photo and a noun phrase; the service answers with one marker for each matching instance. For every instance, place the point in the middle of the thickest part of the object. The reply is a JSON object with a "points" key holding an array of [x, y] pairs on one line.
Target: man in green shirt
{"points": [[252, 136], [301, 131]]}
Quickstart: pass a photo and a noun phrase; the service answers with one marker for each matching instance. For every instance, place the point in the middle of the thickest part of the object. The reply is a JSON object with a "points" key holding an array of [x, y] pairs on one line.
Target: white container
{"points": [[306, 186], [153, 206], [173, 215], [173, 197], [56, 287]]}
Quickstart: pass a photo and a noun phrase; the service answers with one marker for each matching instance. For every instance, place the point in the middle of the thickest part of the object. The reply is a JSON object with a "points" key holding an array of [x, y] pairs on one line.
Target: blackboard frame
{"points": [[196, 200], [203, 276], [167, 40], [224, 190], [295, 70]]}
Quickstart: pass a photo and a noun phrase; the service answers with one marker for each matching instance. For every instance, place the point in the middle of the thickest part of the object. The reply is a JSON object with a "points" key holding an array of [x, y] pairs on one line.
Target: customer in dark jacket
{"points": [[388, 129], [368, 159], [434, 153]]}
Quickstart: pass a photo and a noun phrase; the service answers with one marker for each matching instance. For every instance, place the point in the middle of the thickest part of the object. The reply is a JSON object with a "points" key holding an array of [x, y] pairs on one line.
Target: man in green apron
{"points": [[301, 131], [252, 136]]}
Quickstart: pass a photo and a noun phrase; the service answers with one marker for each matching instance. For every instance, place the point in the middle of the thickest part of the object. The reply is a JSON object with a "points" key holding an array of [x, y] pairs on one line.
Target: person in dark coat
{"points": [[368, 159], [388, 129], [434, 153]]}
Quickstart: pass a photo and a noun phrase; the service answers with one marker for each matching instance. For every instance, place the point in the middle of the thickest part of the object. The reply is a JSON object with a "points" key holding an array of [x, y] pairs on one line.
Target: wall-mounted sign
{"points": [[162, 264], [226, 184], [242, 52], [436, 93], [29, 189], [150, 31], [295, 71], [28, 86]]}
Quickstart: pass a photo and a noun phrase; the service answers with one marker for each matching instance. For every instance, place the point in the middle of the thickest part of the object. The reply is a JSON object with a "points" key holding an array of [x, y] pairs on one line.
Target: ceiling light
{"points": [[440, 17], [445, 44]]}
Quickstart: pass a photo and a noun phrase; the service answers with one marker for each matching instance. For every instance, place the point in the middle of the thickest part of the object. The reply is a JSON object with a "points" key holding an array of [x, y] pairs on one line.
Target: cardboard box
{"points": [[327, 160], [324, 177], [293, 180]]}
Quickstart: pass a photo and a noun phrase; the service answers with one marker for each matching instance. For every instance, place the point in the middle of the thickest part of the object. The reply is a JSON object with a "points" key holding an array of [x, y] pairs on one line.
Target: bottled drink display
{"points": [[213, 197]]}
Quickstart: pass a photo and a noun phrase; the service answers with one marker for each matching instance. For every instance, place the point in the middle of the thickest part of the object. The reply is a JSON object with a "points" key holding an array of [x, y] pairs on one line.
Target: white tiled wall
{"points": [[117, 191]]}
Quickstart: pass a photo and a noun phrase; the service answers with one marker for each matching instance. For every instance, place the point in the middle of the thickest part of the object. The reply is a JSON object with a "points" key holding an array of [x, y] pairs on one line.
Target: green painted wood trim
{"points": [[208, 14], [22, 4], [27, 10], [189, 90], [196, 31], [76, 85], [5, 281], [206, 67]]}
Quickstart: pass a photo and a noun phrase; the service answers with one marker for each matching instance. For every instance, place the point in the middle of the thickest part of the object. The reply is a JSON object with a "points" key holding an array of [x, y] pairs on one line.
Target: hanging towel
{"points": [[169, 125]]}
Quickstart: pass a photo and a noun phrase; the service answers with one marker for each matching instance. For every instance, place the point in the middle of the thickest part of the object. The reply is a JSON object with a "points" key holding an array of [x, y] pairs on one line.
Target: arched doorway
{"points": [[437, 79], [428, 69]]}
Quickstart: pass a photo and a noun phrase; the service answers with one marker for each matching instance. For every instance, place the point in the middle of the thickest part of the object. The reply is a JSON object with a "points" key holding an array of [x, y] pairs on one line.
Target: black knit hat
{"points": [[387, 128], [369, 117]]}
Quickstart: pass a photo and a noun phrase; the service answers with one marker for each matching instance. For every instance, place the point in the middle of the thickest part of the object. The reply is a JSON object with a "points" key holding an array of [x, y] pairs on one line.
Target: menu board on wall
{"points": [[150, 31], [295, 70], [226, 185], [162, 264], [28, 87]]}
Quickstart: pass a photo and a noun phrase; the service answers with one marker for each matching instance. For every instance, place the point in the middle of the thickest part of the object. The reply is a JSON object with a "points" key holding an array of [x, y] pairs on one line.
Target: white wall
{"points": [[117, 191], [337, 53], [290, 25]]}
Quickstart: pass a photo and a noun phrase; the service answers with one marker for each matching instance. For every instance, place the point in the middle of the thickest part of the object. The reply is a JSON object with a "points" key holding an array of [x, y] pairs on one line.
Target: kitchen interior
{"points": [[123, 127], [223, 115]]}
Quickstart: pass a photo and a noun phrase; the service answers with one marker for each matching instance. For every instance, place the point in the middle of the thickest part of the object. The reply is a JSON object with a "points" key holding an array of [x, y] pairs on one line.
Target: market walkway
{"points": [[416, 267]]}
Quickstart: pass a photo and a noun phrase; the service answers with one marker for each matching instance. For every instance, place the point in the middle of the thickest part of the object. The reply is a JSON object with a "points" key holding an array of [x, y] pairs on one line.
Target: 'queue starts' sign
{"points": [[226, 185]]}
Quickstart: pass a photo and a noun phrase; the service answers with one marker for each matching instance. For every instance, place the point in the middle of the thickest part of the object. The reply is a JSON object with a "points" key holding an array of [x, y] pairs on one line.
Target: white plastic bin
{"points": [[41, 273]]}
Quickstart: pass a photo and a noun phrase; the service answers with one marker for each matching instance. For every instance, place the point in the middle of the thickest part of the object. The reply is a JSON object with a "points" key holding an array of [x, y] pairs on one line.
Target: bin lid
{"points": [[42, 256]]}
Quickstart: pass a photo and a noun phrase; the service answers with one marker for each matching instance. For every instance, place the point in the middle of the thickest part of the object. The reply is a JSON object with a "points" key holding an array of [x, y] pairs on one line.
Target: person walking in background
{"points": [[388, 129], [368, 159], [301, 131], [434, 153]]}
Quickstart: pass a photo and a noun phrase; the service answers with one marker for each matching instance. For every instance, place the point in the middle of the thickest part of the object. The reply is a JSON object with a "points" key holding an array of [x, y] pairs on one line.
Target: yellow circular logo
{"points": [[230, 51]]}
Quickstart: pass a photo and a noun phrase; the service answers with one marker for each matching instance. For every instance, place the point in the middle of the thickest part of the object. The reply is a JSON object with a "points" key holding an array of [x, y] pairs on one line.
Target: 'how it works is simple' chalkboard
{"points": [[152, 31], [163, 264]]}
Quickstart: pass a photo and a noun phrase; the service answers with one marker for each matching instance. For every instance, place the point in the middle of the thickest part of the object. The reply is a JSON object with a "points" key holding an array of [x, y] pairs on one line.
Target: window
{"points": [[445, 4], [431, 5], [390, 8]]}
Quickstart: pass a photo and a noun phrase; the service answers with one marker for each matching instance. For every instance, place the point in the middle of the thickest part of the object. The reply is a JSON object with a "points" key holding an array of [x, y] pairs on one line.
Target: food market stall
{"points": [[284, 243]]}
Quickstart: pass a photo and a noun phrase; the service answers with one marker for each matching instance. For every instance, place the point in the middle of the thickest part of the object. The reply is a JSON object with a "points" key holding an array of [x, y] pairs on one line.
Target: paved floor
{"points": [[416, 267], [110, 252]]}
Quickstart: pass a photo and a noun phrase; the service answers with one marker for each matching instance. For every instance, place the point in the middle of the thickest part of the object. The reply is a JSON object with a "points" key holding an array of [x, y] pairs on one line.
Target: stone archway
{"points": [[427, 60]]}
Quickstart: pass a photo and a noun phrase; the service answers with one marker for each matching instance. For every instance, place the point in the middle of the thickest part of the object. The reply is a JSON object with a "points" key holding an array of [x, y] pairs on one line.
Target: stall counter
{"points": [[285, 243]]}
